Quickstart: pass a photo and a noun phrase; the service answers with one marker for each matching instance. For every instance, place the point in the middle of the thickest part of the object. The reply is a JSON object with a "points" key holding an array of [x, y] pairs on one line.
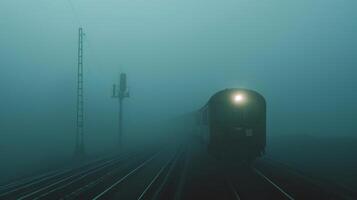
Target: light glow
{"points": [[238, 98]]}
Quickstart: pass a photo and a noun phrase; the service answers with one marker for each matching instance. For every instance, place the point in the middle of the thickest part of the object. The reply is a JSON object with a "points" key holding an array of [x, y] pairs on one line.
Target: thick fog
{"points": [[301, 55]]}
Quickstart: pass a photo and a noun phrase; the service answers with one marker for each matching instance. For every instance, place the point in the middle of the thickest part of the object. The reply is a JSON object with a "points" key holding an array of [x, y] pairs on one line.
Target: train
{"points": [[232, 124]]}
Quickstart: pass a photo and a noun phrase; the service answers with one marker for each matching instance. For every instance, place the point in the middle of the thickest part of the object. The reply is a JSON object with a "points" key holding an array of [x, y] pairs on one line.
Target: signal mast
{"points": [[120, 93]]}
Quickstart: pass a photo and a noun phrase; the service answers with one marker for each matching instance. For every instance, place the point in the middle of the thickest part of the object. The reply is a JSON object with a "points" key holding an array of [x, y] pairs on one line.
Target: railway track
{"points": [[46, 176], [233, 190], [169, 174], [112, 188], [266, 180], [149, 179], [272, 189], [15, 189], [164, 184], [301, 185], [288, 196], [56, 184], [100, 179]]}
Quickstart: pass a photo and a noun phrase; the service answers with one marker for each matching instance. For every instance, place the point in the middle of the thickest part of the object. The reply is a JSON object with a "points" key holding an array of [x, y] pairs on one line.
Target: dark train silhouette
{"points": [[232, 124]]}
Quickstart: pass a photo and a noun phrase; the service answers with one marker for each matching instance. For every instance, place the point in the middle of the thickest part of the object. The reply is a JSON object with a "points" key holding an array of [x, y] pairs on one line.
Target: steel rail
{"points": [[167, 165], [35, 182], [65, 179], [154, 179], [274, 184], [51, 175], [124, 177], [27, 180], [234, 190], [114, 162], [174, 161]]}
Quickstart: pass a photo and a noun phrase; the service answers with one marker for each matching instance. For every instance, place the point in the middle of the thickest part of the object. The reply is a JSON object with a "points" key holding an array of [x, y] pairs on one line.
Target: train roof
{"points": [[227, 91]]}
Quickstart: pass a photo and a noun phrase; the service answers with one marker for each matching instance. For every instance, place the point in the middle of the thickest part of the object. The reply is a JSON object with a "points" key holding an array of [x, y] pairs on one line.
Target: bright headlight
{"points": [[238, 98]]}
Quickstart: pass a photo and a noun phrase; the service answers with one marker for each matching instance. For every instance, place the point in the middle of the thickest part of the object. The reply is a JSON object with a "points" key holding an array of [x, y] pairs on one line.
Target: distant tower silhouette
{"points": [[79, 149]]}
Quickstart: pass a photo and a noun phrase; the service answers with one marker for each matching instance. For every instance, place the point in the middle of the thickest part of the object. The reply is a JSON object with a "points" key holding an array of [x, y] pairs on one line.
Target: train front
{"points": [[237, 124]]}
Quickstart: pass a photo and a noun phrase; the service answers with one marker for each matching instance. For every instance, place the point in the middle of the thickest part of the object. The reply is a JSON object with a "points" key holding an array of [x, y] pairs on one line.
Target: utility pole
{"points": [[79, 151], [120, 93]]}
